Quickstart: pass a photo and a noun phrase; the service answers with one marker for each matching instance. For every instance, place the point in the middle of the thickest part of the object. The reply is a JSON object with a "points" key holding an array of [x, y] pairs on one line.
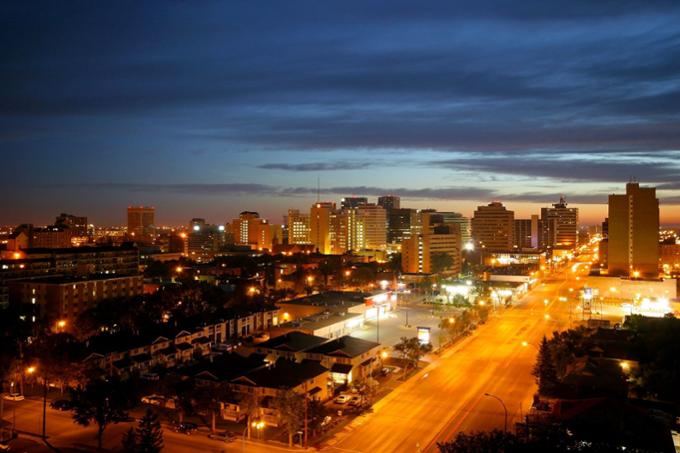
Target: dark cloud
{"points": [[441, 193]]}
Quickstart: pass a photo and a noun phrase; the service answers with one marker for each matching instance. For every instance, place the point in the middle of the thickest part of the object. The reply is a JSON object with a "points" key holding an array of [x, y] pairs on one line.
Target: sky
{"points": [[206, 109]]}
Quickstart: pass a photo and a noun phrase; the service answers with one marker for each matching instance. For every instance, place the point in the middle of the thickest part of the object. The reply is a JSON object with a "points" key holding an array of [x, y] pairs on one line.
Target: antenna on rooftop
{"points": [[318, 189]]}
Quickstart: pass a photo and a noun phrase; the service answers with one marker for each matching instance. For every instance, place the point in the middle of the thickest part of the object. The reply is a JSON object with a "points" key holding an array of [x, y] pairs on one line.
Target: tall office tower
{"points": [[389, 202], [352, 202], [141, 221], [341, 235], [492, 227], [204, 240], [252, 230], [527, 233], [77, 224], [298, 227], [633, 248], [320, 226], [559, 226], [399, 223], [370, 231], [522, 234], [419, 253]]}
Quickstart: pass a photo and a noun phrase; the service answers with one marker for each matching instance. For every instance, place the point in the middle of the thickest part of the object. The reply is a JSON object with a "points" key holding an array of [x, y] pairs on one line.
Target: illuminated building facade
{"points": [[298, 227], [141, 222], [633, 233], [559, 226], [320, 226], [493, 227]]}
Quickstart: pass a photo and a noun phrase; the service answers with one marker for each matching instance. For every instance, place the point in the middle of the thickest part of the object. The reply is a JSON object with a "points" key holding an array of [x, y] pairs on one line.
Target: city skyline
{"points": [[206, 113]]}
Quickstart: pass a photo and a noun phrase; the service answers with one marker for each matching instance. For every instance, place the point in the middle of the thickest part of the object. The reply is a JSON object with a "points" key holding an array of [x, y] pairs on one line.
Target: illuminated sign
{"points": [[424, 335]]}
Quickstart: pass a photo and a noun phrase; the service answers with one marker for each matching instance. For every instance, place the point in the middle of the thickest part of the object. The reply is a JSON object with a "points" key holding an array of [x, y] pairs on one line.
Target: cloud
{"points": [[238, 189], [318, 166]]}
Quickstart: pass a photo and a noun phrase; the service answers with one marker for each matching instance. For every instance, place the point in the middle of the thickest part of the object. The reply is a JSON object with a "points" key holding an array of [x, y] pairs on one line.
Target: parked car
{"points": [[342, 399], [61, 405], [150, 376], [14, 397], [355, 400], [153, 400], [226, 436], [186, 428], [389, 369]]}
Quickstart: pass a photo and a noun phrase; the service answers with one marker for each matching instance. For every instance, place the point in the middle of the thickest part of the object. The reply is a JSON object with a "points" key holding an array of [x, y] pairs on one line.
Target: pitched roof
{"points": [[285, 374], [292, 341]]}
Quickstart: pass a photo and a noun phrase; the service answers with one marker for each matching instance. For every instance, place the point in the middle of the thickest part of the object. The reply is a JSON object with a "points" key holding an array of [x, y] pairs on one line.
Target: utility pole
{"points": [[306, 413]]}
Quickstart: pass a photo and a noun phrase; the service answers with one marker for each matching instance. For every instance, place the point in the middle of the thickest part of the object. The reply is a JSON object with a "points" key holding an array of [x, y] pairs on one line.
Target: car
{"points": [[342, 399], [186, 428], [61, 405], [355, 401], [153, 400], [150, 376], [14, 397], [389, 369], [4, 446], [226, 436]]}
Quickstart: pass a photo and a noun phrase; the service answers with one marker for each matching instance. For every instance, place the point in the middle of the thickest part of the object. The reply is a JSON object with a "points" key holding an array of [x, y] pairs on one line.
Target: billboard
{"points": [[424, 335]]}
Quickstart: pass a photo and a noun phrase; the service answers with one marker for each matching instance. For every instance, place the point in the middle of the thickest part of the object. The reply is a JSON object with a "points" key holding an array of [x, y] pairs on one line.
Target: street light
{"points": [[504, 408], [30, 370]]}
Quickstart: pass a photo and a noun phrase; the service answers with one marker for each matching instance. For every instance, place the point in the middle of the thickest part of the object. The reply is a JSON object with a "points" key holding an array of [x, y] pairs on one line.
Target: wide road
{"points": [[63, 434], [447, 396]]}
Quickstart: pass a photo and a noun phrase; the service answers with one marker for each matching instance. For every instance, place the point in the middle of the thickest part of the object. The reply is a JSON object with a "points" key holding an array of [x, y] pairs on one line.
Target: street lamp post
{"points": [[31, 370], [505, 426]]}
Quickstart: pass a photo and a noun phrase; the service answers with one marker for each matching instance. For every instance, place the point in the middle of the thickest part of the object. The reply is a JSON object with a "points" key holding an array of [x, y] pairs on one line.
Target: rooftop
{"points": [[346, 346], [293, 342], [284, 374], [331, 299]]}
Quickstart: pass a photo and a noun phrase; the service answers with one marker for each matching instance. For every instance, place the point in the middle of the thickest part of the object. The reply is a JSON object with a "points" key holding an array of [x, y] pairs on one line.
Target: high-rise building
{"points": [[389, 202], [320, 226], [141, 222], [423, 252], [527, 233], [370, 231], [492, 227], [399, 224], [298, 227], [559, 226], [352, 202], [204, 240], [633, 236], [252, 230]]}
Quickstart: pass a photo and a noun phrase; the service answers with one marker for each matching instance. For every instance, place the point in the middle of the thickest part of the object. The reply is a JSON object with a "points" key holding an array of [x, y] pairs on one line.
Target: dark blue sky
{"points": [[210, 108]]}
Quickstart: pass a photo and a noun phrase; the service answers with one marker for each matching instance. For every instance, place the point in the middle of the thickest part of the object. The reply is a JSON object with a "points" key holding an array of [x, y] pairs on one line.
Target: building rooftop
{"points": [[331, 299], [346, 346], [322, 320], [284, 374], [66, 279], [293, 342], [224, 367]]}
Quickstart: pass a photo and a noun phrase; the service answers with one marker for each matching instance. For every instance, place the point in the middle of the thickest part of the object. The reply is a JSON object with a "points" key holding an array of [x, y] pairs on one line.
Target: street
{"points": [[447, 396]]}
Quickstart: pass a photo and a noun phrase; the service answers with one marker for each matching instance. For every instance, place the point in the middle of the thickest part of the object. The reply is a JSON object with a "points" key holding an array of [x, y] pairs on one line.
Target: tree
{"points": [[291, 407], [412, 350], [101, 402], [130, 441], [316, 413], [496, 441], [149, 433], [147, 438], [544, 370], [441, 261]]}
